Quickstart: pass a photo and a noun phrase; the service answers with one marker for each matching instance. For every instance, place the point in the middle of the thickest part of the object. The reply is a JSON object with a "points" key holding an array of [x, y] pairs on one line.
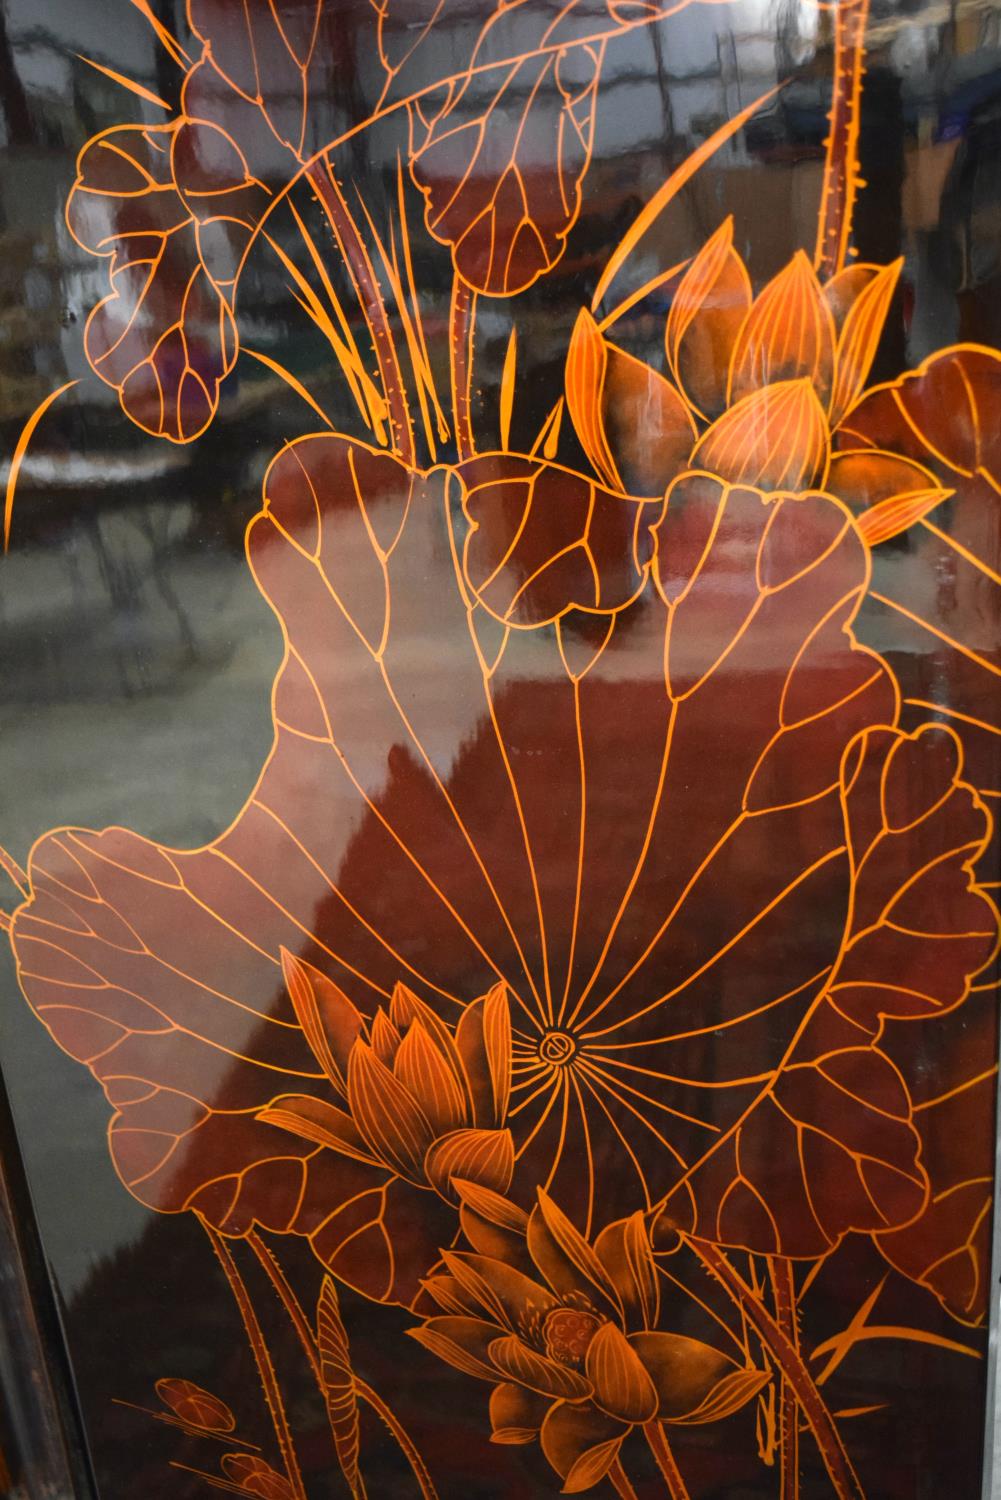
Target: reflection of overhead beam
{"points": [[930, 15]]}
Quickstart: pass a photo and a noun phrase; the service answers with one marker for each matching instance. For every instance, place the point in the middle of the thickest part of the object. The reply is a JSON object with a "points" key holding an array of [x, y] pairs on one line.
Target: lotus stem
{"points": [[262, 1358], [784, 1290], [666, 1461], [359, 264], [841, 169], [460, 329], [620, 1481], [279, 1281], [403, 1439], [364, 1391], [789, 1360]]}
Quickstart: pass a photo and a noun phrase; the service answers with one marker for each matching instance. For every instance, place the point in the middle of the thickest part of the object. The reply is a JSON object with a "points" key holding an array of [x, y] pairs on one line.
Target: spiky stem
{"points": [[460, 329], [784, 1290], [359, 265], [364, 1391], [401, 1436], [841, 169], [789, 1360], [262, 1358], [666, 1461], [621, 1483]]}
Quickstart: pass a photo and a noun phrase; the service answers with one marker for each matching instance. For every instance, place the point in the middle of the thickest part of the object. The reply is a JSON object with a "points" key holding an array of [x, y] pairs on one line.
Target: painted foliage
{"points": [[592, 1040]]}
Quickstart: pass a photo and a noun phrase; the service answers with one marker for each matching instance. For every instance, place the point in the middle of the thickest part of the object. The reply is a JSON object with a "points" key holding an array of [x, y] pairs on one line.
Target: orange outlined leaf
{"points": [[627, 933], [339, 1387], [195, 1406], [946, 417], [225, 199], [544, 540], [831, 1144], [255, 1477], [947, 1248], [164, 338], [500, 167]]}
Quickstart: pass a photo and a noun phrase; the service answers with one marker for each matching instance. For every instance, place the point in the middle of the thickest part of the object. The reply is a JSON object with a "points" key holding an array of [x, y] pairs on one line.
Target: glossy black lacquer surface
{"points": [[546, 848]]}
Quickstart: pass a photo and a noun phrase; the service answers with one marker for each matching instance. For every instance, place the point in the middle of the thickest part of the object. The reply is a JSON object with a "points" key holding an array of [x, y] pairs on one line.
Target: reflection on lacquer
{"points": [[603, 897]]}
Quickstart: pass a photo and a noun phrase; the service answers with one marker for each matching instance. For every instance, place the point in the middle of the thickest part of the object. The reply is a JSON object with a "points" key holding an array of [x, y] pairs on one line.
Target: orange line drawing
{"points": [[568, 981]]}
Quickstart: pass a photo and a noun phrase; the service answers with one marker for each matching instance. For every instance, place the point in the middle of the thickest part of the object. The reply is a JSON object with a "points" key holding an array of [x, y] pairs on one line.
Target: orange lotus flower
{"points": [[761, 391], [758, 389], [424, 1104], [567, 1333]]}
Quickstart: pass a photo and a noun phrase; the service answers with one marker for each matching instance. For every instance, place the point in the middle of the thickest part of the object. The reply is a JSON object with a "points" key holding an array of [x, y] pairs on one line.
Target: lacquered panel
{"points": [[502, 655]]}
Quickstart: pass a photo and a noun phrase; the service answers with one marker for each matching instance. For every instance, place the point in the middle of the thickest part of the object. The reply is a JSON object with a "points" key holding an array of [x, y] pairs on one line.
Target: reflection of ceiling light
{"points": [[77, 471]]}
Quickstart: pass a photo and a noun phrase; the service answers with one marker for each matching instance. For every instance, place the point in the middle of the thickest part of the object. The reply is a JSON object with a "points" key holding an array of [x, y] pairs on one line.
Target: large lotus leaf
{"points": [[831, 1143], [642, 834], [951, 1071], [935, 608]]}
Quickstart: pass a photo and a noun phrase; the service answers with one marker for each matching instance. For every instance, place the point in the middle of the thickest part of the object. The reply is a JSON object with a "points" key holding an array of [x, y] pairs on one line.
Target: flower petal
{"points": [[510, 1298], [682, 1370], [726, 1397], [649, 426], [775, 438], [330, 1023], [493, 1208], [624, 1250], [471, 1046], [485, 1156], [858, 338], [787, 335], [493, 1225], [497, 1046], [316, 1120], [406, 1007], [548, 1377], [431, 1081], [565, 1258], [709, 307], [844, 288], [515, 1413], [449, 1296], [592, 1466], [384, 1038], [393, 1124], [483, 1042], [571, 1433], [886, 493], [622, 1385], [463, 1342], [633, 425], [587, 360]]}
